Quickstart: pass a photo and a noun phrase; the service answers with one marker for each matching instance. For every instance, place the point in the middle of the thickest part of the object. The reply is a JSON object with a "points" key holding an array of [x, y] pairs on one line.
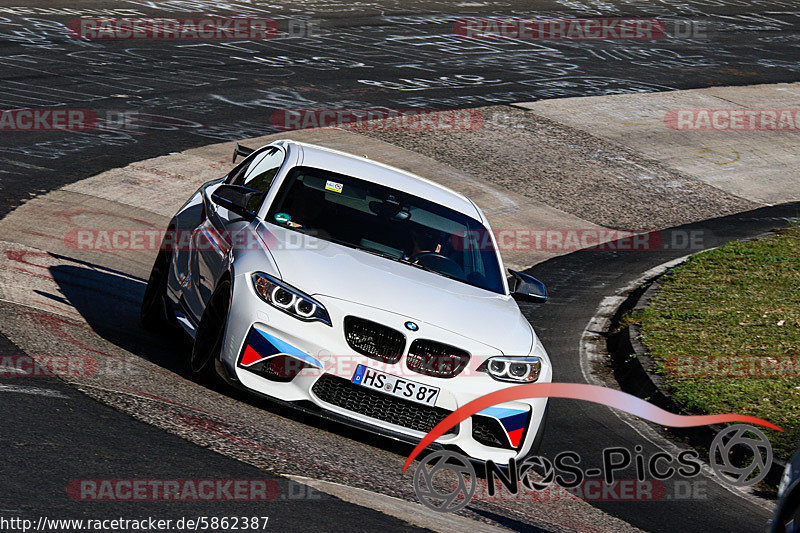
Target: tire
{"points": [[537, 444], [789, 522], [537, 440], [210, 335], [155, 315]]}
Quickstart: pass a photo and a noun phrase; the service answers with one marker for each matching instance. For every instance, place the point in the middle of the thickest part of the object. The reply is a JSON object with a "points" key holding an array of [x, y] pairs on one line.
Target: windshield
{"points": [[387, 222]]}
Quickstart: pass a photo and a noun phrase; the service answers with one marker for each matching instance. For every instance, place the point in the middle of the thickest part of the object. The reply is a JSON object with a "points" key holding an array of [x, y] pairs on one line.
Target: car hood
{"points": [[322, 268]]}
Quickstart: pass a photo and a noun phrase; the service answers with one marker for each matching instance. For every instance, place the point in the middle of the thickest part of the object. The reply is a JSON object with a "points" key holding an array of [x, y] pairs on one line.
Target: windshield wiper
{"points": [[400, 259], [423, 267], [429, 269], [381, 254]]}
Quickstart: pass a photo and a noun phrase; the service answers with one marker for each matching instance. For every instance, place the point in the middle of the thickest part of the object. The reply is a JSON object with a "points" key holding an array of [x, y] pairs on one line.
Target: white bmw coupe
{"points": [[356, 290]]}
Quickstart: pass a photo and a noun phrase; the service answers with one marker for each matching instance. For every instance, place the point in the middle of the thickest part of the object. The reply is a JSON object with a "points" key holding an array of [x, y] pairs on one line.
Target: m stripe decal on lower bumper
{"points": [[260, 345]]}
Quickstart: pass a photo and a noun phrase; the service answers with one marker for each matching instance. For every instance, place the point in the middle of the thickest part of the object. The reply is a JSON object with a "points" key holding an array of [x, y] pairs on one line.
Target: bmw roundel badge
{"points": [[412, 326]]}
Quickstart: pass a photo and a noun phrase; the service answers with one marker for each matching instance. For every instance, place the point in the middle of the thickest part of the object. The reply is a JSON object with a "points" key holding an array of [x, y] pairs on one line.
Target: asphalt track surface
{"points": [[53, 435], [393, 54], [156, 97]]}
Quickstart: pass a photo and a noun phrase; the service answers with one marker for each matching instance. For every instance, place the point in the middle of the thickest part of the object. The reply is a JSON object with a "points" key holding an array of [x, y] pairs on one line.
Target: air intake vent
{"points": [[345, 394], [489, 432], [436, 359], [374, 340]]}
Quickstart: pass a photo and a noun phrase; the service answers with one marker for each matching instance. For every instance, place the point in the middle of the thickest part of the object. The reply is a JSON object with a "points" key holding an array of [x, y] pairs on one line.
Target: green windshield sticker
{"points": [[283, 218]]}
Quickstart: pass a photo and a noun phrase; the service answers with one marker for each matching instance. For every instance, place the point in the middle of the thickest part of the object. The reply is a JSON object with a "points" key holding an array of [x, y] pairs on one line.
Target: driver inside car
{"points": [[423, 243]]}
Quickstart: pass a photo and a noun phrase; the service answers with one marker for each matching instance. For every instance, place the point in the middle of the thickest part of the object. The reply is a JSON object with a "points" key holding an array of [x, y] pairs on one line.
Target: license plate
{"points": [[395, 386]]}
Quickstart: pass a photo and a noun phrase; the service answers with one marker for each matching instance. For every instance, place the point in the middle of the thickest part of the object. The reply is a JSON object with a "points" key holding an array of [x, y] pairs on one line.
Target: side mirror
{"points": [[526, 288], [241, 150], [236, 198]]}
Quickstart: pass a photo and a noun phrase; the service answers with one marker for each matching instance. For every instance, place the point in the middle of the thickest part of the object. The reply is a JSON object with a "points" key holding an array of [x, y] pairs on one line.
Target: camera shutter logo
{"points": [[442, 500], [536, 463], [741, 435]]}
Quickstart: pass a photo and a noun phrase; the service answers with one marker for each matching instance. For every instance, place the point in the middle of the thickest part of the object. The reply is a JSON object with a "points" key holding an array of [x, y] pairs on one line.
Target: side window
{"points": [[260, 172]]}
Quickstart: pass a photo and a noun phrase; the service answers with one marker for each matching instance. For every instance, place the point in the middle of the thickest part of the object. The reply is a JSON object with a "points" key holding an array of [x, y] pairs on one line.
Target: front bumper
{"points": [[257, 333]]}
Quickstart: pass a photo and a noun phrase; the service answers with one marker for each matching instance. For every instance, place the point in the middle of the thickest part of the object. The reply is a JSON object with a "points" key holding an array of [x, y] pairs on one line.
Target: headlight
{"points": [[513, 369], [289, 300]]}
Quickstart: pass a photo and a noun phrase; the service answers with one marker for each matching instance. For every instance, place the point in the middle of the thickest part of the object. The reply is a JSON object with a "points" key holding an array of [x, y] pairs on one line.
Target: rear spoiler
{"points": [[241, 150]]}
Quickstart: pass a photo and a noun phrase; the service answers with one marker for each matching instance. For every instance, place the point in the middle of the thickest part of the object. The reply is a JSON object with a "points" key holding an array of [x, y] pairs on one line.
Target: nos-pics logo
{"points": [[446, 481]]}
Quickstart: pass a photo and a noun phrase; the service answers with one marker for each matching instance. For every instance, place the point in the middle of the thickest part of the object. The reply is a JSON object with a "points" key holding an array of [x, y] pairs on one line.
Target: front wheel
{"points": [[154, 314], [789, 522], [537, 440], [210, 335]]}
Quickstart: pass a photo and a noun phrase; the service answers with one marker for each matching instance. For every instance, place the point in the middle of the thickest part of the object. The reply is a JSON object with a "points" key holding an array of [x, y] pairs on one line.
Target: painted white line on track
{"points": [[32, 390]]}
